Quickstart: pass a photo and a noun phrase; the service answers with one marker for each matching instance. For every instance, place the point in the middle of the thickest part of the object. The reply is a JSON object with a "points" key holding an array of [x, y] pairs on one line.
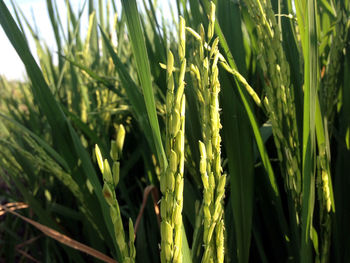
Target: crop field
{"points": [[216, 132]]}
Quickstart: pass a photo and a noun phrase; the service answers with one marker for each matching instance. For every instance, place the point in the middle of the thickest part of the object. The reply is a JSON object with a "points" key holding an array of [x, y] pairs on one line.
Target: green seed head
{"points": [[182, 71], [108, 195], [182, 110], [211, 231], [221, 184], [195, 71], [217, 211], [99, 157], [209, 148], [214, 47], [220, 241], [116, 171], [163, 208], [179, 187], [194, 33], [211, 21], [170, 63], [177, 245], [212, 180], [120, 139], [182, 38], [205, 180], [169, 204], [180, 142], [167, 232], [215, 69], [175, 122], [208, 197], [170, 180], [203, 160], [170, 96], [177, 216], [207, 214], [131, 232], [107, 174], [168, 252], [114, 151]]}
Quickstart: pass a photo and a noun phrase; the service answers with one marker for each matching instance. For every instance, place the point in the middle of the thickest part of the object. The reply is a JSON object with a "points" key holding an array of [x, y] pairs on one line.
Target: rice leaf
{"points": [[309, 42], [144, 73]]}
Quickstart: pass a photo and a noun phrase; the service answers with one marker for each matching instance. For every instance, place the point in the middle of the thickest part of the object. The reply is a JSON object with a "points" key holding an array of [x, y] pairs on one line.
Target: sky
{"points": [[10, 64]]}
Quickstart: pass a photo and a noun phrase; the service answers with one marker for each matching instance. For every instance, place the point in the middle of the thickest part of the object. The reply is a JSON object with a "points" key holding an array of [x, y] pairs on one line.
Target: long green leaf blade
{"points": [[144, 73], [308, 161]]}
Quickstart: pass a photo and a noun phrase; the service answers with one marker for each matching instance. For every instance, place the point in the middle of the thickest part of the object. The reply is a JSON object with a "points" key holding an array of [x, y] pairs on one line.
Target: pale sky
{"points": [[10, 64]]}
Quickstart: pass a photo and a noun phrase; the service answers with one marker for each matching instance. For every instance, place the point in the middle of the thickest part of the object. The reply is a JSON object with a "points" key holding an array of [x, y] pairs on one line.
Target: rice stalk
{"points": [[111, 180], [172, 181], [331, 82], [208, 87], [279, 97]]}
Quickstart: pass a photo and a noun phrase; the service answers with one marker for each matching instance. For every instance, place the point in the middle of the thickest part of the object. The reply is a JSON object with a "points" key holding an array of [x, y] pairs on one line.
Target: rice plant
{"points": [[220, 134]]}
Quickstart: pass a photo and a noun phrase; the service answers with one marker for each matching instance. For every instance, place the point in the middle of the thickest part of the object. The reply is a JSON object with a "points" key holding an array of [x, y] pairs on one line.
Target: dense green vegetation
{"points": [[221, 135]]}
